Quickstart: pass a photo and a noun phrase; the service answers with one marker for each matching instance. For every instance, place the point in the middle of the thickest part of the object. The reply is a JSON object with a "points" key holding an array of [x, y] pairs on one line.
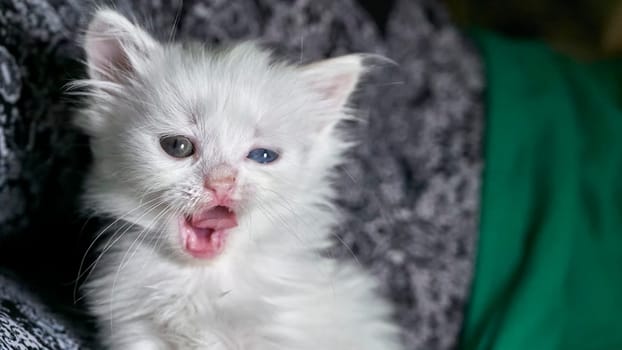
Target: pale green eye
{"points": [[177, 146]]}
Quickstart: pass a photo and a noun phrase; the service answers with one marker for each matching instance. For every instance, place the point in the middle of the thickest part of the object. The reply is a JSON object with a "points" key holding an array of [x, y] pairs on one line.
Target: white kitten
{"points": [[216, 165]]}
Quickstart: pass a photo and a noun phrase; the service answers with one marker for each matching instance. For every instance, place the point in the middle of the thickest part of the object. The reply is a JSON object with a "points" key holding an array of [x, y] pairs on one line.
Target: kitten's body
{"points": [[262, 282], [268, 299]]}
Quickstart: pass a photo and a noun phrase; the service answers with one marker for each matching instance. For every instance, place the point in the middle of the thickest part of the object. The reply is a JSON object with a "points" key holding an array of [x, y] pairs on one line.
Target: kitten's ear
{"points": [[335, 79], [114, 46]]}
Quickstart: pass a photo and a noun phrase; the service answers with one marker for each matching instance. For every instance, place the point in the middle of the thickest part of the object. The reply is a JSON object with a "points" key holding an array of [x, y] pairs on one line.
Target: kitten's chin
{"points": [[204, 233]]}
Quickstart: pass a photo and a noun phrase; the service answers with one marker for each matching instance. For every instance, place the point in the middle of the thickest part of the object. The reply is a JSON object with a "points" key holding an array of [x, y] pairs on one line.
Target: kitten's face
{"points": [[190, 144]]}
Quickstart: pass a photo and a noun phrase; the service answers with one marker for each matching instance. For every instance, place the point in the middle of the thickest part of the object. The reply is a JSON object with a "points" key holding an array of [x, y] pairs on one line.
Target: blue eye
{"points": [[262, 155]]}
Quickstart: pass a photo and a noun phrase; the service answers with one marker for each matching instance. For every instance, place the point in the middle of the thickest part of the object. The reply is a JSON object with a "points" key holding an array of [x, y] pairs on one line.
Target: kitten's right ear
{"points": [[115, 47]]}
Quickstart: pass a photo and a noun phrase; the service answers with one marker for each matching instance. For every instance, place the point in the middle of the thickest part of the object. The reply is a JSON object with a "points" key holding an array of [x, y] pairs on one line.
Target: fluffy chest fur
{"points": [[272, 295]]}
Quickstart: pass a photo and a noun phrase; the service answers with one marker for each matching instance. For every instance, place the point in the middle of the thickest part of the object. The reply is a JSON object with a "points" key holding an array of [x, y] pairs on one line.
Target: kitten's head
{"points": [[189, 142]]}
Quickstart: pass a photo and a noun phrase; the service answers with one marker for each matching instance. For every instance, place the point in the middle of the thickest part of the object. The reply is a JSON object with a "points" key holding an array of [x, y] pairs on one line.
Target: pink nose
{"points": [[221, 187]]}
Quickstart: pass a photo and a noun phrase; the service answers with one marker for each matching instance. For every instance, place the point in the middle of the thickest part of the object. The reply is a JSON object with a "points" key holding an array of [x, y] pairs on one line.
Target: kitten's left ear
{"points": [[335, 79], [115, 47]]}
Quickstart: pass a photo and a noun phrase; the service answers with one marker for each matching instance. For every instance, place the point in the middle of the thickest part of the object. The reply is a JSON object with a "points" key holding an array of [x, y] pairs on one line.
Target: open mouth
{"points": [[204, 233]]}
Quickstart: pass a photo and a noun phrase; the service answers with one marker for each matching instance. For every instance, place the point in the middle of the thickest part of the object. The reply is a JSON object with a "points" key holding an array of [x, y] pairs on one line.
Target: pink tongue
{"points": [[217, 218], [204, 234], [205, 243]]}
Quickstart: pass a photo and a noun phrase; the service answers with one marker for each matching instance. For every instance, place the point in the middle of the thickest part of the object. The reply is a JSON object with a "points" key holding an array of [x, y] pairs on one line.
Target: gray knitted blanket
{"points": [[410, 193]]}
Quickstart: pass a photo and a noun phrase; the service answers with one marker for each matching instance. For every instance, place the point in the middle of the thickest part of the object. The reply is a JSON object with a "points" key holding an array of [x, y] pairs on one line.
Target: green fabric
{"points": [[549, 266]]}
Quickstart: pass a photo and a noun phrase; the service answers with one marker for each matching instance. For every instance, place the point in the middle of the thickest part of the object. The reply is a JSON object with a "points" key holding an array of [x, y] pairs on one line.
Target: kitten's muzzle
{"points": [[221, 189]]}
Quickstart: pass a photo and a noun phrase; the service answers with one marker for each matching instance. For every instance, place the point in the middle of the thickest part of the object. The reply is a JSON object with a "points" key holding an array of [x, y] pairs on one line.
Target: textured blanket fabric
{"points": [[409, 195], [26, 324]]}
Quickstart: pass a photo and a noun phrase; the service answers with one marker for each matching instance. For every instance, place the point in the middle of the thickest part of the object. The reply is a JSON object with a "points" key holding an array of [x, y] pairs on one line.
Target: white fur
{"points": [[271, 288]]}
